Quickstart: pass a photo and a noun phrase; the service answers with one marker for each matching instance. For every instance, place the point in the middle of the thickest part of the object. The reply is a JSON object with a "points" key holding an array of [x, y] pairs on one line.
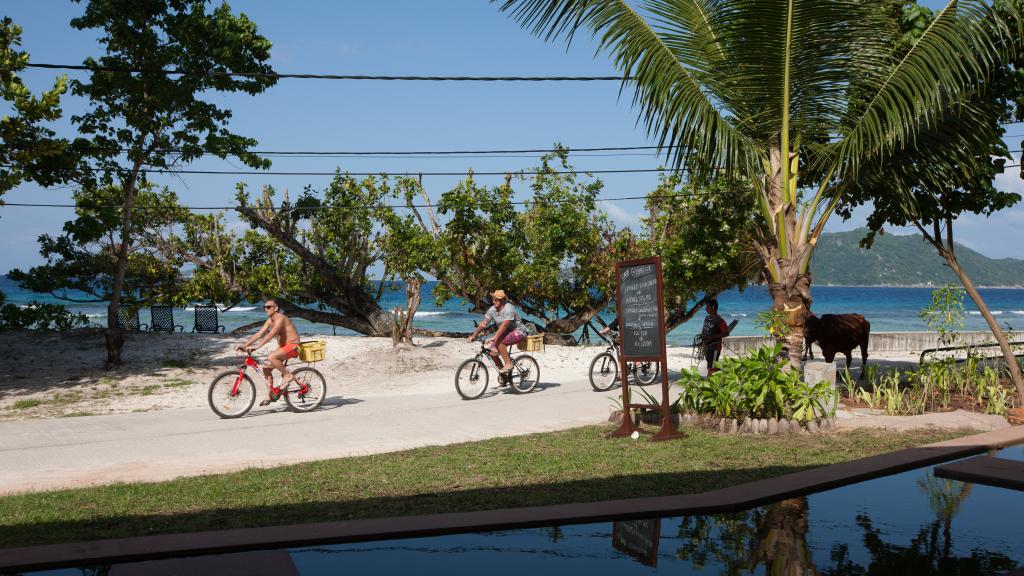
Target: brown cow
{"points": [[837, 333]]}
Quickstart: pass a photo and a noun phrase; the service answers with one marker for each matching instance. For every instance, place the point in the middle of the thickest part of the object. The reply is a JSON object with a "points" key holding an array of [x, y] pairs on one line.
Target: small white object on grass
{"points": [[634, 435]]}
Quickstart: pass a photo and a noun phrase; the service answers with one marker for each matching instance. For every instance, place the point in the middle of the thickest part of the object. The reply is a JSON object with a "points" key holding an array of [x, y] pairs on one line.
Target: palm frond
{"points": [[961, 48], [676, 107]]}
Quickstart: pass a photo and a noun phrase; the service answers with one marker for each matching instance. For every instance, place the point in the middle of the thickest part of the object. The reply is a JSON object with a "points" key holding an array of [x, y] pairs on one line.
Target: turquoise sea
{"points": [[888, 309]]}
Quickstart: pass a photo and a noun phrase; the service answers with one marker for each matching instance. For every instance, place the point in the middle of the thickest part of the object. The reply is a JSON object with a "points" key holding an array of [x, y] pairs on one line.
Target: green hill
{"points": [[903, 261]]}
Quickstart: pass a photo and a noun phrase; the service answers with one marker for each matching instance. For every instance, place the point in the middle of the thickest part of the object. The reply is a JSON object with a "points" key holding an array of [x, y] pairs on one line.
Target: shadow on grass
{"points": [[327, 509]]}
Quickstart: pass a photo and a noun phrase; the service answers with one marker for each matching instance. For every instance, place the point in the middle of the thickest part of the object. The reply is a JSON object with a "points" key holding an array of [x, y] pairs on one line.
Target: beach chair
{"points": [[206, 319], [128, 318], [163, 319]]}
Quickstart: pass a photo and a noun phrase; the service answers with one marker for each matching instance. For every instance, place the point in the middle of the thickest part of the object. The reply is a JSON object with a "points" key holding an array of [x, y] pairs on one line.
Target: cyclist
{"points": [[612, 326], [281, 327], [511, 330]]}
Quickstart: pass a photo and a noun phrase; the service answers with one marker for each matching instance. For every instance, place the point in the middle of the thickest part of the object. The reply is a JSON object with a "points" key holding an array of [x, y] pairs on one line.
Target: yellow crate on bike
{"points": [[313, 351], [533, 343]]}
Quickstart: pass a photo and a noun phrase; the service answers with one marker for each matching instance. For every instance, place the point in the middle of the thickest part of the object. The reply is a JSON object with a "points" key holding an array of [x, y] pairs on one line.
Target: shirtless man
{"points": [[280, 326]]}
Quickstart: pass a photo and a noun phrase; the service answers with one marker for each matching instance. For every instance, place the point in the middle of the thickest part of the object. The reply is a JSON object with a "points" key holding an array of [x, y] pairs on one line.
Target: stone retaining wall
{"points": [[909, 342]]}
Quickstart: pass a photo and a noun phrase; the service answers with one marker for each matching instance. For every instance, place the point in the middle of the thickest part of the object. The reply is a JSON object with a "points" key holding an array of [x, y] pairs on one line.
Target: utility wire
{"points": [[377, 173], [278, 75], [292, 208]]}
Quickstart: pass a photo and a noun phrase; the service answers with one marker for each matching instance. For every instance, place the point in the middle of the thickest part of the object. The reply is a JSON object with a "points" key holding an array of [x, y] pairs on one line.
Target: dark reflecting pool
{"points": [[906, 524]]}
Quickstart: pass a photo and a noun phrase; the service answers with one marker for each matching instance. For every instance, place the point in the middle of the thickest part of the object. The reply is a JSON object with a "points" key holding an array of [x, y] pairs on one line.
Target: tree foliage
{"points": [[793, 96], [141, 114], [81, 261]]}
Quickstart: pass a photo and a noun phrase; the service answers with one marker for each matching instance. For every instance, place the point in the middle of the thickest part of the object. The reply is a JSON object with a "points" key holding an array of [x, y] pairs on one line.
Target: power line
{"points": [[291, 208], [279, 75], [378, 173]]}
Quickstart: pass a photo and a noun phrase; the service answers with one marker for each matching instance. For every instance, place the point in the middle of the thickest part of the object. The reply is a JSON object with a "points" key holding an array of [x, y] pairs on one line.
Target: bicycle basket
{"points": [[313, 351], [533, 343]]}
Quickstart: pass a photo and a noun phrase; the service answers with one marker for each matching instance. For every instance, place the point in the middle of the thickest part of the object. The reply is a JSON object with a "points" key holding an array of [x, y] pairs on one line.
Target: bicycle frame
{"points": [[253, 363]]}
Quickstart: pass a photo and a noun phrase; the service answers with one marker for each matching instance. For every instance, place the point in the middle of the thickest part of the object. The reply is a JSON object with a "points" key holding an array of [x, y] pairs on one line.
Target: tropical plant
{"points": [[795, 96], [755, 386], [139, 112], [945, 313]]}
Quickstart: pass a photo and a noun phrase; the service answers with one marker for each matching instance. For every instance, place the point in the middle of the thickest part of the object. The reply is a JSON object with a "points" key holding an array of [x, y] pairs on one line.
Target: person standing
{"points": [[711, 334]]}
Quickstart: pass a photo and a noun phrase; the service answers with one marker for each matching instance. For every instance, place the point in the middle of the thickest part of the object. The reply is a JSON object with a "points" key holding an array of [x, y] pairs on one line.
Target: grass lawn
{"points": [[578, 465]]}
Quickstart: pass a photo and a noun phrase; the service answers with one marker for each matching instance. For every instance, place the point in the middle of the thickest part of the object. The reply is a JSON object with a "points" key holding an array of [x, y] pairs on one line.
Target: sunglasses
{"points": [[269, 307]]}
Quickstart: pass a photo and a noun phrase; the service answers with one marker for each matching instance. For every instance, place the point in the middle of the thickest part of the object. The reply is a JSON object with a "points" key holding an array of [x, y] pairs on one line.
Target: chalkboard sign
{"points": [[638, 538], [640, 310]]}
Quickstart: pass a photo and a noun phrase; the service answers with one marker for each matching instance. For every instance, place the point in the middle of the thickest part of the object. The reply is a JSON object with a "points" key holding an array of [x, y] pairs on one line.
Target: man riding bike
{"points": [[281, 327], [511, 330]]}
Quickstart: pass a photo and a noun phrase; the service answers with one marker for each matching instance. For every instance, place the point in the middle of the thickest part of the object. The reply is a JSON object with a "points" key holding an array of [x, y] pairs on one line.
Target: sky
{"points": [[402, 37]]}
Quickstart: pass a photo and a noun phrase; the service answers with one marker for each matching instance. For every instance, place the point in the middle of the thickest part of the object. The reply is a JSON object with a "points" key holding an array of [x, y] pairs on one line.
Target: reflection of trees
{"points": [[924, 555], [774, 536]]}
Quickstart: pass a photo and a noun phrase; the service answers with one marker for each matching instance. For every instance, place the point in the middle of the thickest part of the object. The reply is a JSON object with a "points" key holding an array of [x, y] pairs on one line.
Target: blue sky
{"points": [[401, 37]]}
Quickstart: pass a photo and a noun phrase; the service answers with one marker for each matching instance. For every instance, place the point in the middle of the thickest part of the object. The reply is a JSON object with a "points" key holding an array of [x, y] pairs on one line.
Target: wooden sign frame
{"points": [[668, 429], [620, 542]]}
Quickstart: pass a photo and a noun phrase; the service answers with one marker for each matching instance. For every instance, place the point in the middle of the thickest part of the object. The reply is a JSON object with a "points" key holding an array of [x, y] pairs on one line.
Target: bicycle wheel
{"points": [[307, 391], [646, 372], [604, 372], [471, 379], [226, 405], [525, 374]]}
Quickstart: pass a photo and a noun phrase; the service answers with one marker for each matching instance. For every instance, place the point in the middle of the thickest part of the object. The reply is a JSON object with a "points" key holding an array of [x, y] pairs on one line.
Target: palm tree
{"points": [[792, 95]]}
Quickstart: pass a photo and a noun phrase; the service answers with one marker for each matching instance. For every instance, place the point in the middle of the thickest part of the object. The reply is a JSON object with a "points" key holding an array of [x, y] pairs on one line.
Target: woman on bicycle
{"points": [[510, 329], [281, 327]]}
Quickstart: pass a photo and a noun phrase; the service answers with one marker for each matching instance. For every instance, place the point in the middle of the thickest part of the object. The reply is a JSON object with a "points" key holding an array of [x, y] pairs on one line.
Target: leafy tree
{"points": [[315, 253], [949, 171], [794, 96], [30, 152], [705, 235], [82, 262], [141, 114]]}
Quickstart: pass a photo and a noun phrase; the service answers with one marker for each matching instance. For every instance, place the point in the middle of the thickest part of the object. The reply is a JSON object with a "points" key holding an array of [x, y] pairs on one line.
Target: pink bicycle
{"points": [[232, 393]]}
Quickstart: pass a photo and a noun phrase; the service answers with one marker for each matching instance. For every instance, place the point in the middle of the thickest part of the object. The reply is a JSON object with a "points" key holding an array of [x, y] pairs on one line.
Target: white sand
{"points": [[62, 375]]}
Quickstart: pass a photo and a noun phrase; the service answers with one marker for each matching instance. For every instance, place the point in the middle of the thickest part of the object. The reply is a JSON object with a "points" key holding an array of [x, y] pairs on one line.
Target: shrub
{"points": [[755, 386]]}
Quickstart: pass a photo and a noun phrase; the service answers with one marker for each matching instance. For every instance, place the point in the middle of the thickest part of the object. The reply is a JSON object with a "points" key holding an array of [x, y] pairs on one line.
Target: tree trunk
{"points": [[115, 335], [792, 297], [1004, 344], [402, 331]]}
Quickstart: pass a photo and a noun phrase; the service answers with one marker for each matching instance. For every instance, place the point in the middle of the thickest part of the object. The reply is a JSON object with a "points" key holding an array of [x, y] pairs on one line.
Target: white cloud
{"points": [[621, 216]]}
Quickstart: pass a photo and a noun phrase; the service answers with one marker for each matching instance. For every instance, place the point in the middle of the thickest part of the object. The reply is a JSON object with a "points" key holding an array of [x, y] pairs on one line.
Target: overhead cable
{"points": [[278, 75]]}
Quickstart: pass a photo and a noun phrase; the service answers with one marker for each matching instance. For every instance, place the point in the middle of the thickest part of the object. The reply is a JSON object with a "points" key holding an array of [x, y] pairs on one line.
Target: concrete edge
{"points": [[730, 499]]}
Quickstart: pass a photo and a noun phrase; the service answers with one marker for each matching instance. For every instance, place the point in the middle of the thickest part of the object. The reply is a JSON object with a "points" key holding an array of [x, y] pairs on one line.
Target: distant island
{"points": [[903, 261]]}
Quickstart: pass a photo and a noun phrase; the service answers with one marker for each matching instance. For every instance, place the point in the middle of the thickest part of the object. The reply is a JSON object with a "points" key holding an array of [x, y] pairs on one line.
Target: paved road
{"points": [[62, 452]]}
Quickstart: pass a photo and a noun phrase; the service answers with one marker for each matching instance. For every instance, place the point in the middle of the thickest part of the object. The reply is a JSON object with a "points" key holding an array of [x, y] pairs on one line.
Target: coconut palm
{"points": [[793, 95]]}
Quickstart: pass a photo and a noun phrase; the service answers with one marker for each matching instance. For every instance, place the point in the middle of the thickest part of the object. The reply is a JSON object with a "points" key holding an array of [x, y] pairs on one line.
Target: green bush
{"points": [[755, 386], [38, 316]]}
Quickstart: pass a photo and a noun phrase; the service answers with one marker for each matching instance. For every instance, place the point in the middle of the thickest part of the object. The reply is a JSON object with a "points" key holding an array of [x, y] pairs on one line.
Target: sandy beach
{"points": [[56, 375]]}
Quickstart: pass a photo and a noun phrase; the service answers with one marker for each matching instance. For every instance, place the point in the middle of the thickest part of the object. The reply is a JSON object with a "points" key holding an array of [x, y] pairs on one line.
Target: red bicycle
{"points": [[232, 393]]}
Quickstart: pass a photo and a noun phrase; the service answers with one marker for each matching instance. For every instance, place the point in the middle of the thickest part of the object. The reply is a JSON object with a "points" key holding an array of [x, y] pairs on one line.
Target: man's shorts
{"points": [[291, 350], [512, 337]]}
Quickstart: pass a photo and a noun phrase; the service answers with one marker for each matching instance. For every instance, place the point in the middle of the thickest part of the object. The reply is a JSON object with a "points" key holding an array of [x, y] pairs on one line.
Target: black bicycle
{"points": [[472, 376], [604, 368]]}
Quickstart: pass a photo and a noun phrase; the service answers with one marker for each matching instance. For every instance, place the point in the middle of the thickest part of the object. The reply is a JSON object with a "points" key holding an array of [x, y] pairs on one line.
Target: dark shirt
{"points": [[714, 330]]}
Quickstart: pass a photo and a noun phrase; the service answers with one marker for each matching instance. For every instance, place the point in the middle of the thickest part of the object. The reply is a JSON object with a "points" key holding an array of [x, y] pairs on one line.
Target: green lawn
{"points": [[576, 465]]}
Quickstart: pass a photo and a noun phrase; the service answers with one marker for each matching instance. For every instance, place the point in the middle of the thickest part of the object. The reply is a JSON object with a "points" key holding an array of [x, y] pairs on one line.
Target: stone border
{"points": [[734, 498]]}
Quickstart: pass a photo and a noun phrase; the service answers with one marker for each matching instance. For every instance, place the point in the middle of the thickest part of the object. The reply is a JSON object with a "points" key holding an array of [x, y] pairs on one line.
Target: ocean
{"points": [[888, 309]]}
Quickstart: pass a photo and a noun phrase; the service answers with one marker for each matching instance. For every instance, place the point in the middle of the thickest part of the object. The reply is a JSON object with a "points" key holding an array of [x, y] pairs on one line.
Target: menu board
{"points": [[638, 538], [640, 310]]}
